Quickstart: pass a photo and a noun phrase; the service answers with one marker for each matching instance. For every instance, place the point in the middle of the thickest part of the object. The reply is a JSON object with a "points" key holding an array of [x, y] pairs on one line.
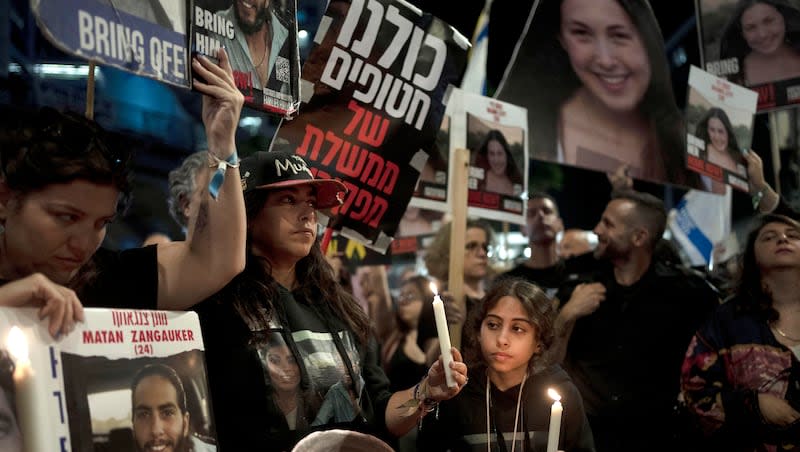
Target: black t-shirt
{"points": [[550, 279], [625, 358], [251, 370], [123, 280]]}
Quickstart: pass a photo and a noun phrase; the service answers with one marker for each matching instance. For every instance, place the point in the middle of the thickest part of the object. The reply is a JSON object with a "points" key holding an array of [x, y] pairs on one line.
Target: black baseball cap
{"points": [[281, 169]]}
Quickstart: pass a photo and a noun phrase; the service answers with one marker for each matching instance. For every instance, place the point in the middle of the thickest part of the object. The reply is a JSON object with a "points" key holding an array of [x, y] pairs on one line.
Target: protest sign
{"points": [[157, 39], [373, 90], [720, 128], [599, 120], [753, 44], [84, 393], [261, 42], [495, 133]]}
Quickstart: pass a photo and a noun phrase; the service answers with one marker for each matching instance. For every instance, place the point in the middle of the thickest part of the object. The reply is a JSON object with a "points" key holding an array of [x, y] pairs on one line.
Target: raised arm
{"points": [[191, 271], [766, 199]]}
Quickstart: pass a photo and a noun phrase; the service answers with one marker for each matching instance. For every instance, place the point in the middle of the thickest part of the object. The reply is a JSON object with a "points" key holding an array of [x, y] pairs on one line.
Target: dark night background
{"points": [[162, 123]]}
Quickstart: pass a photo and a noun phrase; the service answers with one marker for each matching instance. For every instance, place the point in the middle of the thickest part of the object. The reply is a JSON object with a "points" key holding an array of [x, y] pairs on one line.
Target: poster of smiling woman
{"points": [[719, 119], [594, 77], [754, 43]]}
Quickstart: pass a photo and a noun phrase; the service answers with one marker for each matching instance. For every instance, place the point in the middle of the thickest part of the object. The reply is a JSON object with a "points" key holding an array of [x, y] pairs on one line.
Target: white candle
{"points": [[31, 399], [444, 336], [555, 421]]}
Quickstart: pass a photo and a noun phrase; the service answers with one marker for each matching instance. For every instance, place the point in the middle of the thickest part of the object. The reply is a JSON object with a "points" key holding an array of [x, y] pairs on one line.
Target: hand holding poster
{"points": [[150, 38], [261, 40], [754, 44], [373, 89], [720, 129], [103, 382], [624, 114]]}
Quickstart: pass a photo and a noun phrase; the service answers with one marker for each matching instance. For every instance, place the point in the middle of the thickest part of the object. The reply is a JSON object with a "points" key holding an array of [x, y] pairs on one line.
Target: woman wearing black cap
{"points": [[288, 294]]}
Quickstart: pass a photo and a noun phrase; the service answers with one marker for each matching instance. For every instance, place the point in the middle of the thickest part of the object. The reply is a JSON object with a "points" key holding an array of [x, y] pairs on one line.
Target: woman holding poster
{"points": [[600, 65], [764, 37], [62, 182]]}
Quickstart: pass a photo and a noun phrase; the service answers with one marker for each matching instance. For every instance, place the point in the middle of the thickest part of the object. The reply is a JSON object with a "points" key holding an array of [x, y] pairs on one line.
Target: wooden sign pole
{"points": [[458, 232], [90, 92]]}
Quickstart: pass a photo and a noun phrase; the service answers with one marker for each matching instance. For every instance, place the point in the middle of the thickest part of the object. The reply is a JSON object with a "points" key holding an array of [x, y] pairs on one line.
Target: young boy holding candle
{"points": [[505, 406]]}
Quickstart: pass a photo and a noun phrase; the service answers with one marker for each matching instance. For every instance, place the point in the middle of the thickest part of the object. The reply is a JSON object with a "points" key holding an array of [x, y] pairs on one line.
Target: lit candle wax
{"points": [[555, 421], [31, 398], [444, 336]]}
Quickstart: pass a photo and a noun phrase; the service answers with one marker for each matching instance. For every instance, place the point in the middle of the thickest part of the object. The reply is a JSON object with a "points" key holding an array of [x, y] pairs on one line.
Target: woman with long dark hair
{"points": [[599, 90], [741, 375], [722, 147], [500, 171], [764, 37], [289, 291]]}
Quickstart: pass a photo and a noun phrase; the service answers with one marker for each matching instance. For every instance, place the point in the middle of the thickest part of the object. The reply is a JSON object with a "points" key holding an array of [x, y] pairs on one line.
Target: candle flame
{"points": [[553, 394], [17, 345], [434, 289]]}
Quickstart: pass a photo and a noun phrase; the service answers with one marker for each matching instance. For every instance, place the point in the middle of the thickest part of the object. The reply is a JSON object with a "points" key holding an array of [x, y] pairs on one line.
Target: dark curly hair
{"points": [[57, 148], [166, 372], [733, 44], [750, 293], [541, 312], [51, 147]]}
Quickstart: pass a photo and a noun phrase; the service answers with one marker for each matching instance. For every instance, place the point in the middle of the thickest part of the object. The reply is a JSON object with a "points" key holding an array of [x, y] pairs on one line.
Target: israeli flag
{"points": [[700, 221], [474, 80]]}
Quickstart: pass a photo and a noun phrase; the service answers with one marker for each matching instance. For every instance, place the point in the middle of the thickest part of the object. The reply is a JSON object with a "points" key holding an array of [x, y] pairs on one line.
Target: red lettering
{"points": [[766, 95], [713, 170], [243, 80], [694, 162], [404, 245]]}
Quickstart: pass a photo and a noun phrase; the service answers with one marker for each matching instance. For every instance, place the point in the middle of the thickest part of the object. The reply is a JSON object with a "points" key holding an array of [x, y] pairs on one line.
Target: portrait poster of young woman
{"points": [[719, 119], [754, 43], [595, 79]]}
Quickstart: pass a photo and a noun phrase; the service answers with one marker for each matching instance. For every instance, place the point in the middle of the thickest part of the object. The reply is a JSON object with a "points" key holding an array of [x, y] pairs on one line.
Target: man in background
{"points": [[574, 242], [625, 328], [260, 44]]}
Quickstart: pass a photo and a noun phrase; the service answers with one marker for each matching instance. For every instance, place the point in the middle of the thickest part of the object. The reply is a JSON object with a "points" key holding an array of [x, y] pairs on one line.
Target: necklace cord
{"points": [[516, 415]]}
